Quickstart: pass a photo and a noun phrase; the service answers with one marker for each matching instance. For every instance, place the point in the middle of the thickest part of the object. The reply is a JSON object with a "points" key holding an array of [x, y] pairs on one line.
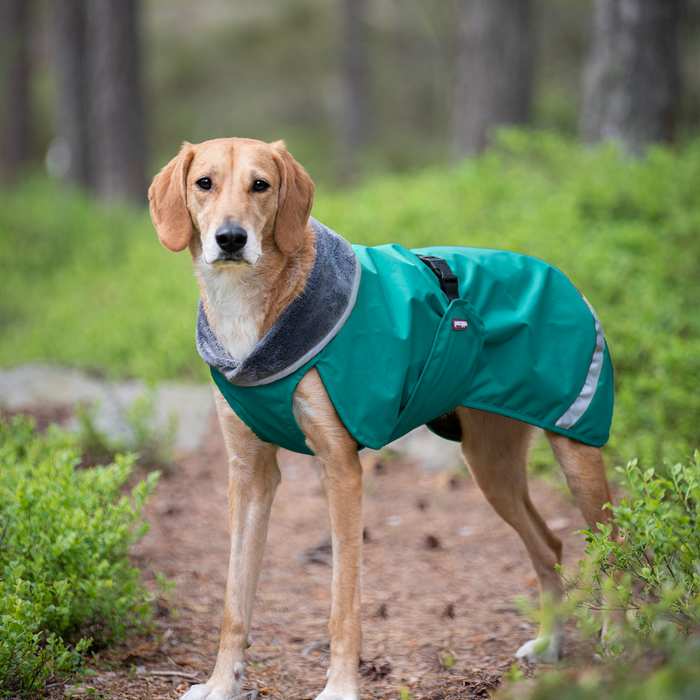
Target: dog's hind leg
{"points": [[584, 469], [253, 480], [585, 474], [496, 450]]}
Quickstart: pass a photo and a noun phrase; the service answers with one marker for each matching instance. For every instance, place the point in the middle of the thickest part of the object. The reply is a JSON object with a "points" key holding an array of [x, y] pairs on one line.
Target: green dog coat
{"points": [[520, 341]]}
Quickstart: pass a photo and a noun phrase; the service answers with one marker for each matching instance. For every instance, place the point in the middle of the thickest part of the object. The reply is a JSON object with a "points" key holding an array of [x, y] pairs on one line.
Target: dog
{"points": [[242, 208]]}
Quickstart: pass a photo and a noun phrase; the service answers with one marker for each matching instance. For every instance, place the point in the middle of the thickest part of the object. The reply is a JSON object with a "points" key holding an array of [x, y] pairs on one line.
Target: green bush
{"points": [[653, 571], [66, 582], [652, 574], [664, 670]]}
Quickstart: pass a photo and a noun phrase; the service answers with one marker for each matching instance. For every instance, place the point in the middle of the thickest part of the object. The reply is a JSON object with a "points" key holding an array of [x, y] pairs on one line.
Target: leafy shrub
{"points": [[663, 670], [28, 655], [652, 573], [65, 578]]}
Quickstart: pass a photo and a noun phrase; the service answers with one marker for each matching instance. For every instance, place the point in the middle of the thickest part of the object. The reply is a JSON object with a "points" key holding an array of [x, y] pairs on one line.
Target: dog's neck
{"points": [[242, 301]]}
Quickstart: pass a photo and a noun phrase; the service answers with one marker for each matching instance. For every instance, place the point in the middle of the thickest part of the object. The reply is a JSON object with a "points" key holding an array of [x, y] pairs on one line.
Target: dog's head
{"points": [[231, 199]]}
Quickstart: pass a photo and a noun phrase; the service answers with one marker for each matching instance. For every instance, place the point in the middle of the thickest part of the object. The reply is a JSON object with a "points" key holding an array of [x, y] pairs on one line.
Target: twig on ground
{"points": [[179, 674]]}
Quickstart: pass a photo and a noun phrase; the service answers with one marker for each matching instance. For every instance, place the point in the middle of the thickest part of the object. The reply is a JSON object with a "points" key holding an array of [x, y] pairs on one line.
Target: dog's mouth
{"points": [[231, 259]]}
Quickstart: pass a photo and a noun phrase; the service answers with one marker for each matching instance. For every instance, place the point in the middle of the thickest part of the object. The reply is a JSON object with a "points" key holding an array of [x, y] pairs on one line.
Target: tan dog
{"points": [[242, 209]]}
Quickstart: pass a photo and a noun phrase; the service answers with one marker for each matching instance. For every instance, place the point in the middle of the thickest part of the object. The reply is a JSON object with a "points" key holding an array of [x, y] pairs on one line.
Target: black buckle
{"points": [[448, 280]]}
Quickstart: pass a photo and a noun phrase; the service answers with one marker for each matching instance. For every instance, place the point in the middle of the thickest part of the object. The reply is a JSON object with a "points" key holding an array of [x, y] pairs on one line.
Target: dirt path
{"points": [[441, 571]]}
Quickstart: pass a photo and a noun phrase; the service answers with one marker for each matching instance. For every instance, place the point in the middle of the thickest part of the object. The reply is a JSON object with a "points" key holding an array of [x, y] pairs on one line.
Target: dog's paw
{"points": [[544, 650], [201, 692], [332, 695], [217, 691]]}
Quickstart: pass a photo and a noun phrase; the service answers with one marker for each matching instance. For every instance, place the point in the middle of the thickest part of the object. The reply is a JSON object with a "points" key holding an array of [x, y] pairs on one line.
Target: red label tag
{"points": [[459, 324]]}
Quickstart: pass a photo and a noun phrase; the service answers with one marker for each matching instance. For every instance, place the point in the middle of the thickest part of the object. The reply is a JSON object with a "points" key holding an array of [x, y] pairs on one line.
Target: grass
{"points": [[90, 286]]}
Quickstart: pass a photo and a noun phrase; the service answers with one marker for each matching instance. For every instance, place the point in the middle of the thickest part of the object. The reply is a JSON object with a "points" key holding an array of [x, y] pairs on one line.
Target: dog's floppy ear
{"points": [[296, 198], [167, 197]]}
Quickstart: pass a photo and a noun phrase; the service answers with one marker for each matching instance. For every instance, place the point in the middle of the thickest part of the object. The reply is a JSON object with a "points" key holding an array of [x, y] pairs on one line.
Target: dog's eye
{"points": [[260, 185], [204, 183]]}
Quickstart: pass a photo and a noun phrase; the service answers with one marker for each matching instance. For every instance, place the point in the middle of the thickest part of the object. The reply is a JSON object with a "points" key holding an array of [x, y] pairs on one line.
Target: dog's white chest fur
{"points": [[236, 306]]}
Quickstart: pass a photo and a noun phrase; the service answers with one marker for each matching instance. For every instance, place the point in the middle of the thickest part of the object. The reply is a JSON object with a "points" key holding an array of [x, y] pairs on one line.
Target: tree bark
{"points": [[353, 84], [495, 71], [70, 24], [632, 80], [117, 132], [15, 99]]}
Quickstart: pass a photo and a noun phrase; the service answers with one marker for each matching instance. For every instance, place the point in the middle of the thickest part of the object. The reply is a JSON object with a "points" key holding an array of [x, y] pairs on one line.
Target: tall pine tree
{"points": [[495, 71], [632, 80]]}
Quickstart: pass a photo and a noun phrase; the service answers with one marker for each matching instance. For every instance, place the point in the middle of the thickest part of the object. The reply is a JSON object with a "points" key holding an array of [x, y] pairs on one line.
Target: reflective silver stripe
{"points": [[583, 400]]}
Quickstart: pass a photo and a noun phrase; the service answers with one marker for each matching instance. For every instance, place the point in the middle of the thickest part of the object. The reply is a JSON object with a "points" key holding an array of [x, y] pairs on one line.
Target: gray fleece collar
{"points": [[305, 327]]}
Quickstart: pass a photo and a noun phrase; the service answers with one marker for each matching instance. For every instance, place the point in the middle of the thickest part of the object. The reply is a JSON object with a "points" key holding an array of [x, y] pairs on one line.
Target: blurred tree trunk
{"points": [[495, 71], [353, 84], [116, 122], [15, 107], [70, 18], [632, 80]]}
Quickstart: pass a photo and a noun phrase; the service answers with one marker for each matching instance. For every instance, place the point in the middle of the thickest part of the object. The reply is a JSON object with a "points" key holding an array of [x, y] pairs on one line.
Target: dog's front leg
{"points": [[253, 480], [341, 477]]}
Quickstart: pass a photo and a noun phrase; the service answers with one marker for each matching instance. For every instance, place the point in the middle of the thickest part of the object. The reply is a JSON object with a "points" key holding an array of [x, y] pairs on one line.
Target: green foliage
{"points": [[651, 574], [653, 570], [90, 286], [668, 670], [65, 577]]}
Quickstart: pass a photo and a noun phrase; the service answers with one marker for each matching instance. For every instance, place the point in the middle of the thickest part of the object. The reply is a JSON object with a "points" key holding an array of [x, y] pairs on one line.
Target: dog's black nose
{"points": [[231, 237]]}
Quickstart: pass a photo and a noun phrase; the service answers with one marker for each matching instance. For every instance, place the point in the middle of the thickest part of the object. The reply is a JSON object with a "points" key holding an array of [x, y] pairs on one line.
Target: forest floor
{"points": [[441, 573]]}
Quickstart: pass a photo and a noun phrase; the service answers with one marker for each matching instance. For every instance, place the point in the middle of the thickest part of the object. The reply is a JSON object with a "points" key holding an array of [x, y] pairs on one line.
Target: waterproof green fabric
{"points": [[405, 355]]}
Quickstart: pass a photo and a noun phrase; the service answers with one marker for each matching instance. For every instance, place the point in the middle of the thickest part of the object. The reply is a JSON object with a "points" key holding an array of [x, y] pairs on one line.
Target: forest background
{"points": [[355, 87], [394, 108]]}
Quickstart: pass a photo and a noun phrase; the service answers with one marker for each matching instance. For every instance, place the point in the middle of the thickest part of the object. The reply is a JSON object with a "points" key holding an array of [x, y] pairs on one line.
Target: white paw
{"points": [[201, 692], [347, 691], [222, 691], [196, 692], [544, 650]]}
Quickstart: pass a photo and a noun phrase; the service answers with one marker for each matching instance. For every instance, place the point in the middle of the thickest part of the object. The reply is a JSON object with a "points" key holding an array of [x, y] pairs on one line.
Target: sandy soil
{"points": [[441, 572]]}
